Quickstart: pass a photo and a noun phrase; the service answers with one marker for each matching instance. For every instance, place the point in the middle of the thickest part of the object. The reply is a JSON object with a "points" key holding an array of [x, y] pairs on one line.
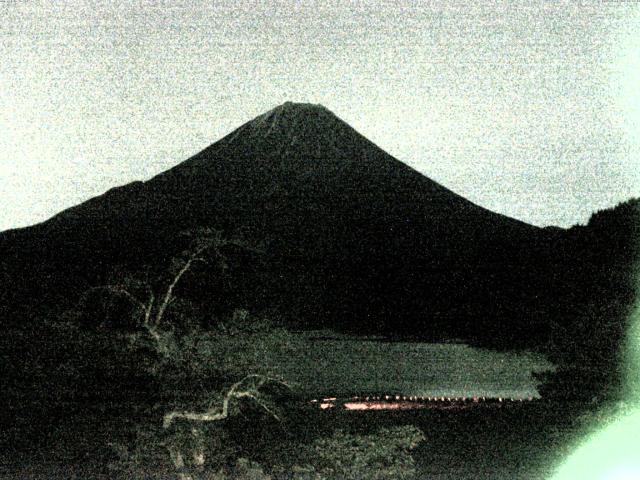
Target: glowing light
{"points": [[401, 402], [612, 454], [382, 406], [623, 473]]}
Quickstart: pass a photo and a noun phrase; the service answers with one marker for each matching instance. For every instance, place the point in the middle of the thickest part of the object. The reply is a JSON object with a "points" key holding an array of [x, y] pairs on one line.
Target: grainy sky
{"points": [[531, 109]]}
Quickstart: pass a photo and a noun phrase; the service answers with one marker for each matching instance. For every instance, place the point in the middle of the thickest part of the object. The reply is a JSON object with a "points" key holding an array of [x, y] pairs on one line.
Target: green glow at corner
{"points": [[631, 356], [613, 453]]}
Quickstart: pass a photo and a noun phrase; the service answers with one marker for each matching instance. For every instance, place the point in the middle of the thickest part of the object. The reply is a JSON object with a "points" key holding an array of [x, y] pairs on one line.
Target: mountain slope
{"points": [[352, 236]]}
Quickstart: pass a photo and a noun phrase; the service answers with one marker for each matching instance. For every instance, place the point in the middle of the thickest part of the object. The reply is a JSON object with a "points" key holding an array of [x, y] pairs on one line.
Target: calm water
{"points": [[345, 366]]}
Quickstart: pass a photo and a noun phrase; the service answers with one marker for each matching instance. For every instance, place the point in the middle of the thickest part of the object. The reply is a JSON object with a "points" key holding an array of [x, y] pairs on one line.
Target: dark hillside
{"points": [[596, 286]]}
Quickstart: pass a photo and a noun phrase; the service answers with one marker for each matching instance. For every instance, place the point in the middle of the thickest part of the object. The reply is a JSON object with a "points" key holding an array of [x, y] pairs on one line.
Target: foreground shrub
{"points": [[385, 454]]}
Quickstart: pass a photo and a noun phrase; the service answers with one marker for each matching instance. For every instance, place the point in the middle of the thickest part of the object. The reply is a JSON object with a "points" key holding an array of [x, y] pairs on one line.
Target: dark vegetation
{"points": [[163, 396], [294, 221], [595, 285]]}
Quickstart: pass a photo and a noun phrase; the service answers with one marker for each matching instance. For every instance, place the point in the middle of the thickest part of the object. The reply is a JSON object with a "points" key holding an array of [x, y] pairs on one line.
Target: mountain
{"points": [[352, 237]]}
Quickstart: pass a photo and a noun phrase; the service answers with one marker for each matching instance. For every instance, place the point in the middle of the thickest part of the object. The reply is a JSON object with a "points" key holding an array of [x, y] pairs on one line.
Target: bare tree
{"points": [[249, 388], [151, 303]]}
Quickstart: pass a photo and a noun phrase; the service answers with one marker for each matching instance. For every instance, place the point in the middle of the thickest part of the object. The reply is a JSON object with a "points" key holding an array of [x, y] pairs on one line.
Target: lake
{"points": [[343, 366]]}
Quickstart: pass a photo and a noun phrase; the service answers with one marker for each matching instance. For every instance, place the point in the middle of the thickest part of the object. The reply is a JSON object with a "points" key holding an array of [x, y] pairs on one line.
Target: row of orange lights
{"points": [[358, 403]]}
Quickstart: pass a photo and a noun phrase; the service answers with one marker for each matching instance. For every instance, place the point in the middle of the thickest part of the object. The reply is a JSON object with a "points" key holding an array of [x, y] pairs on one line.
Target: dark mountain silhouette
{"points": [[352, 237], [595, 292]]}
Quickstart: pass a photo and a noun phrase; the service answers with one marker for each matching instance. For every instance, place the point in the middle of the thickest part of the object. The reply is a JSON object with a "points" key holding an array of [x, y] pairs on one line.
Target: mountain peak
{"points": [[295, 111], [305, 125], [301, 105]]}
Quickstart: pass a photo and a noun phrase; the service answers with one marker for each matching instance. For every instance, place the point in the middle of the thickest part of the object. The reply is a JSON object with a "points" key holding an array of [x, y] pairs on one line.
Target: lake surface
{"points": [[343, 366]]}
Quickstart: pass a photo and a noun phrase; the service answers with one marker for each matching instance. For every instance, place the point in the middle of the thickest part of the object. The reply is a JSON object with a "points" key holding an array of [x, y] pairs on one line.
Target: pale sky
{"points": [[531, 109]]}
